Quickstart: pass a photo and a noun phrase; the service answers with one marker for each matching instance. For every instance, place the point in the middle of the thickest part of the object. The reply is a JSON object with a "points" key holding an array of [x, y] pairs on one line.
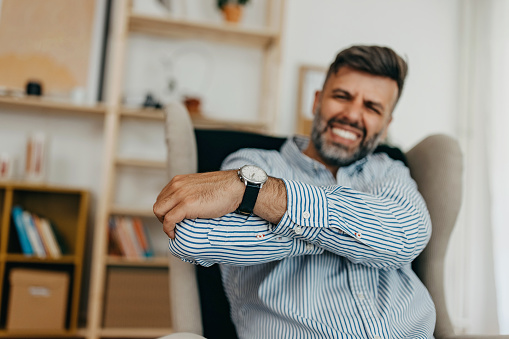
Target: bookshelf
{"points": [[67, 209], [124, 22]]}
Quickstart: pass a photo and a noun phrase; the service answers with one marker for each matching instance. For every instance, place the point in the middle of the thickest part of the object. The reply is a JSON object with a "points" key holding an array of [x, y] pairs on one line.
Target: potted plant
{"points": [[232, 9]]}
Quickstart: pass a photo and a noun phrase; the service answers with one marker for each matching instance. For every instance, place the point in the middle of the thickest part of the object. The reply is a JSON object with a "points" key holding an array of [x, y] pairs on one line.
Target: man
{"points": [[327, 250]]}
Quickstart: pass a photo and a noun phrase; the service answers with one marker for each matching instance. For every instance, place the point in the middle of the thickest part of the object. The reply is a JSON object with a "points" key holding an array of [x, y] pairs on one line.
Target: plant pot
{"points": [[193, 105], [232, 12]]}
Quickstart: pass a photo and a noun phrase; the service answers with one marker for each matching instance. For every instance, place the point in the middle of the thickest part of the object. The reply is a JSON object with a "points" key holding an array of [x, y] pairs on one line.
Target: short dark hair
{"points": [[375, 60]]}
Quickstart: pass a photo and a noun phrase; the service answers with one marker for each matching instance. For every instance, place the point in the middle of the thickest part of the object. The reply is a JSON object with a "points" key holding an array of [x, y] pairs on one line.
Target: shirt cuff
{"points": [[306, 211]]}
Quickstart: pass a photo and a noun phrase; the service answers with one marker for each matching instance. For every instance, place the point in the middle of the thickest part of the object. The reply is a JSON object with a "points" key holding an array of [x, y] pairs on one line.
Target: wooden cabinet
{"points": [[67, 209], [123, 23]]}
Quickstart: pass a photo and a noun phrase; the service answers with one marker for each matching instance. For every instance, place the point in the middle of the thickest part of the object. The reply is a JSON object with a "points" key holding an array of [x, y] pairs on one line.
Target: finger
{"points": [[169, 197], [164, 205], [171, 218]]}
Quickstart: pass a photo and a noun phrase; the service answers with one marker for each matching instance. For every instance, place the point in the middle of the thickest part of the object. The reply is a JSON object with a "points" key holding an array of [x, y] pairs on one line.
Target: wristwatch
{"points": [[254, 178]]}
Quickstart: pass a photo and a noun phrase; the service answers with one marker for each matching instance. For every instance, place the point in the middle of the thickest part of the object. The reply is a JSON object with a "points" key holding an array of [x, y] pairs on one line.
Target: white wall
{"points": [[425, 32]]}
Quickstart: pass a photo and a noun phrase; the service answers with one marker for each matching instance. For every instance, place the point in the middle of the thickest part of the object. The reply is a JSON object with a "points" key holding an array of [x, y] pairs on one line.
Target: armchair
{"points": [[199, 304]]}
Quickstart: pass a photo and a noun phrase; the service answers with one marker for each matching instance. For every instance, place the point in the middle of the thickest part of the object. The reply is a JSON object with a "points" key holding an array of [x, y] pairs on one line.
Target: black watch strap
{"points": [[249, 200]]}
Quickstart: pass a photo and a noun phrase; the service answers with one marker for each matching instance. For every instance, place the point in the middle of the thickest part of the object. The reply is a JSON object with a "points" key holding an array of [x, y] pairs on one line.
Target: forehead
{"points": [[371, 87]]}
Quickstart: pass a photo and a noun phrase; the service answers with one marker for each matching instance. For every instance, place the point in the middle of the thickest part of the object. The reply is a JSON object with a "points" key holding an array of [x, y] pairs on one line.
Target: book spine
{"points": [[126, 242], [26, 248], [143, 237], [129, 227], [114, 244], [54, 249], [33, 235], [38, 227]]}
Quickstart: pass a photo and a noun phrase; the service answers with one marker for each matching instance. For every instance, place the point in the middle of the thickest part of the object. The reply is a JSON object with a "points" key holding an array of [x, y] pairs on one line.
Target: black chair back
{"points": [[213, 147]]}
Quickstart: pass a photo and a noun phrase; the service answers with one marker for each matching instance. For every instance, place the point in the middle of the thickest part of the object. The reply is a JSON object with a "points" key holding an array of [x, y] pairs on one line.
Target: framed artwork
{"points": [[311, 79], [58, 43]]}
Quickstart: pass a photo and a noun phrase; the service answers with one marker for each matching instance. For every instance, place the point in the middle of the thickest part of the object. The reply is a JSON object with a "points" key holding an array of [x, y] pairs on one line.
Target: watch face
{"points": [[253, 174]]}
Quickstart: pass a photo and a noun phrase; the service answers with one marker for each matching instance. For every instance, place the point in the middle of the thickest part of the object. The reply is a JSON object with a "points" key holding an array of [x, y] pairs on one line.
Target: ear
{"points": [[316, 102]]}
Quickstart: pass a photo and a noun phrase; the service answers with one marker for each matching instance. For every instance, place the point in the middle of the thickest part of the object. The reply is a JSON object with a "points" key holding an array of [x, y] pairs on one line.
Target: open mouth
{"points": [[344, 134]]}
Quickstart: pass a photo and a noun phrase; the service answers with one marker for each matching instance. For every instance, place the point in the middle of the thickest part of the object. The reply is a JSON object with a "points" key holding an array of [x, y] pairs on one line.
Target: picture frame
{"points": [[63, 57], [311, 78]]}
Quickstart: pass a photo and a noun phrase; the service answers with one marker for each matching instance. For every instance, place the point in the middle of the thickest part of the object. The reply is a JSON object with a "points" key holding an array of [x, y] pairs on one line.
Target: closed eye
{"points": [[340, 96], [374, 107]]}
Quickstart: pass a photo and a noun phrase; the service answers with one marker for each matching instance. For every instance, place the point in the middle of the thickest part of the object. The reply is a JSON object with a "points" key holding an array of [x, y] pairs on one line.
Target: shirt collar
{"points": [[292, 151]]}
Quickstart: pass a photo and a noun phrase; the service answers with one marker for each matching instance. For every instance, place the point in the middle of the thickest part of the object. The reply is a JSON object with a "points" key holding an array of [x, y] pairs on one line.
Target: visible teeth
{"points": [[344, 134]]}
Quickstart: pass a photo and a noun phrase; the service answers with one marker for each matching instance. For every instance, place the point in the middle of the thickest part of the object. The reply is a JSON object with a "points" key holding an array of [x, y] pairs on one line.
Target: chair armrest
{"points": [[476, 336], [184, 301]]}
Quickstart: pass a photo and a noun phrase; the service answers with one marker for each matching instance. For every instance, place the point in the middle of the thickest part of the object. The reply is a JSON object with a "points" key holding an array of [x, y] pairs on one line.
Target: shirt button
{"points": [[298, 230], [358, 235], [260, 236], [361, 297], [306, 215], [377, 337], [309, 247]]}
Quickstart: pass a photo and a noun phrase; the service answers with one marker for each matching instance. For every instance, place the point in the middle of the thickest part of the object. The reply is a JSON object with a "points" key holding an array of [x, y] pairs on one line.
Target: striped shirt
{"points": [[338, 264]]}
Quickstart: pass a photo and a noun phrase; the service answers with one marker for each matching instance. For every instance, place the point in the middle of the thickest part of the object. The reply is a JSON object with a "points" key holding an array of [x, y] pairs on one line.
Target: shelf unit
{"points": [[124, 22], [67, 208]]}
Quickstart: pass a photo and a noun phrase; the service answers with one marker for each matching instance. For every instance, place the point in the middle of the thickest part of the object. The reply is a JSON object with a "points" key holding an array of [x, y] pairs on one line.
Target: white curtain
{"points": [[478, 261], [499, 154]]}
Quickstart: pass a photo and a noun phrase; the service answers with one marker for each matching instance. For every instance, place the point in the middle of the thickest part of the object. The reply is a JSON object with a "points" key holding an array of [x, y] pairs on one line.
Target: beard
{"points": [[336, 154]]}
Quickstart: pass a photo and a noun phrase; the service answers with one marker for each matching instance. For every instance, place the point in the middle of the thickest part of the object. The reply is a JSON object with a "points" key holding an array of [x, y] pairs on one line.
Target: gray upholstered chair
{"points": [[436, 164]]}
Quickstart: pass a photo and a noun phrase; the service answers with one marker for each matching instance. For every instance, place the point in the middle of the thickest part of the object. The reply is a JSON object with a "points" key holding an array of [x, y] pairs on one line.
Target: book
{"points": [[48, 237], [37, 223], [125, 241], [33, 235], [26, 248], [143, 237], [133, 239], [114, 245]]}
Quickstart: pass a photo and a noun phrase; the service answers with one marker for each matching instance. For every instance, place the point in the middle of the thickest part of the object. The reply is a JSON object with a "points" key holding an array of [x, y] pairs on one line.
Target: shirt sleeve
{"points": [[235, 239], [386, 226]]}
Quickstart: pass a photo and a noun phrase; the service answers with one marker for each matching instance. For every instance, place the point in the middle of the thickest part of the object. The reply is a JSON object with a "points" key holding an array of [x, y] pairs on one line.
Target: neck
{"points": [[311, 152]]}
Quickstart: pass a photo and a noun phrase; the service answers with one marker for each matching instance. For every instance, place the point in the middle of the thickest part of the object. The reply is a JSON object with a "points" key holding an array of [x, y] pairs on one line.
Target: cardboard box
{"points": [[137, 297], [37, 299]]}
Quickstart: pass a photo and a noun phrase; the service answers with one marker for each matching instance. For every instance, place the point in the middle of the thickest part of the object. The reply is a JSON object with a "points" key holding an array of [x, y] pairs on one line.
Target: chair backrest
{"points": [[436, 164], [213, 146]]}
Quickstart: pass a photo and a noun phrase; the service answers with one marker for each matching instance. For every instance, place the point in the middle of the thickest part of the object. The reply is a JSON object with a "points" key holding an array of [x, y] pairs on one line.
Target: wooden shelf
{"points": [[185, 29], [132, 211], [141, 163], [134, 332], [143, 113], [36, 186], [141, 262], [65, 259], [48, 106], [267, 41], [37, 334], [199, 121]]}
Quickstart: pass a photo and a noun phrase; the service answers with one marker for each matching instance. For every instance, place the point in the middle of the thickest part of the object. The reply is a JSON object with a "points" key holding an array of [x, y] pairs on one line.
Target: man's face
{"points": [[352, 114]]}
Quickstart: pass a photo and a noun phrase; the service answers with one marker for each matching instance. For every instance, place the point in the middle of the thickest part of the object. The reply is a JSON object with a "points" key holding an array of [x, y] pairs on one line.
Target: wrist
{"points": [[272, 200]]}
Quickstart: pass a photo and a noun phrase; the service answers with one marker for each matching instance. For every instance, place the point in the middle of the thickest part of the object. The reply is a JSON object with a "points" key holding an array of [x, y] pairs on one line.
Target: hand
{"points": [[202, 195]]}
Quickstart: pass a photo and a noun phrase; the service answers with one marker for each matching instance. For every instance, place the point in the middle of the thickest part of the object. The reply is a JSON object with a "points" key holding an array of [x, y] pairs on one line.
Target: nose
{"points": [[353, 111]]}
